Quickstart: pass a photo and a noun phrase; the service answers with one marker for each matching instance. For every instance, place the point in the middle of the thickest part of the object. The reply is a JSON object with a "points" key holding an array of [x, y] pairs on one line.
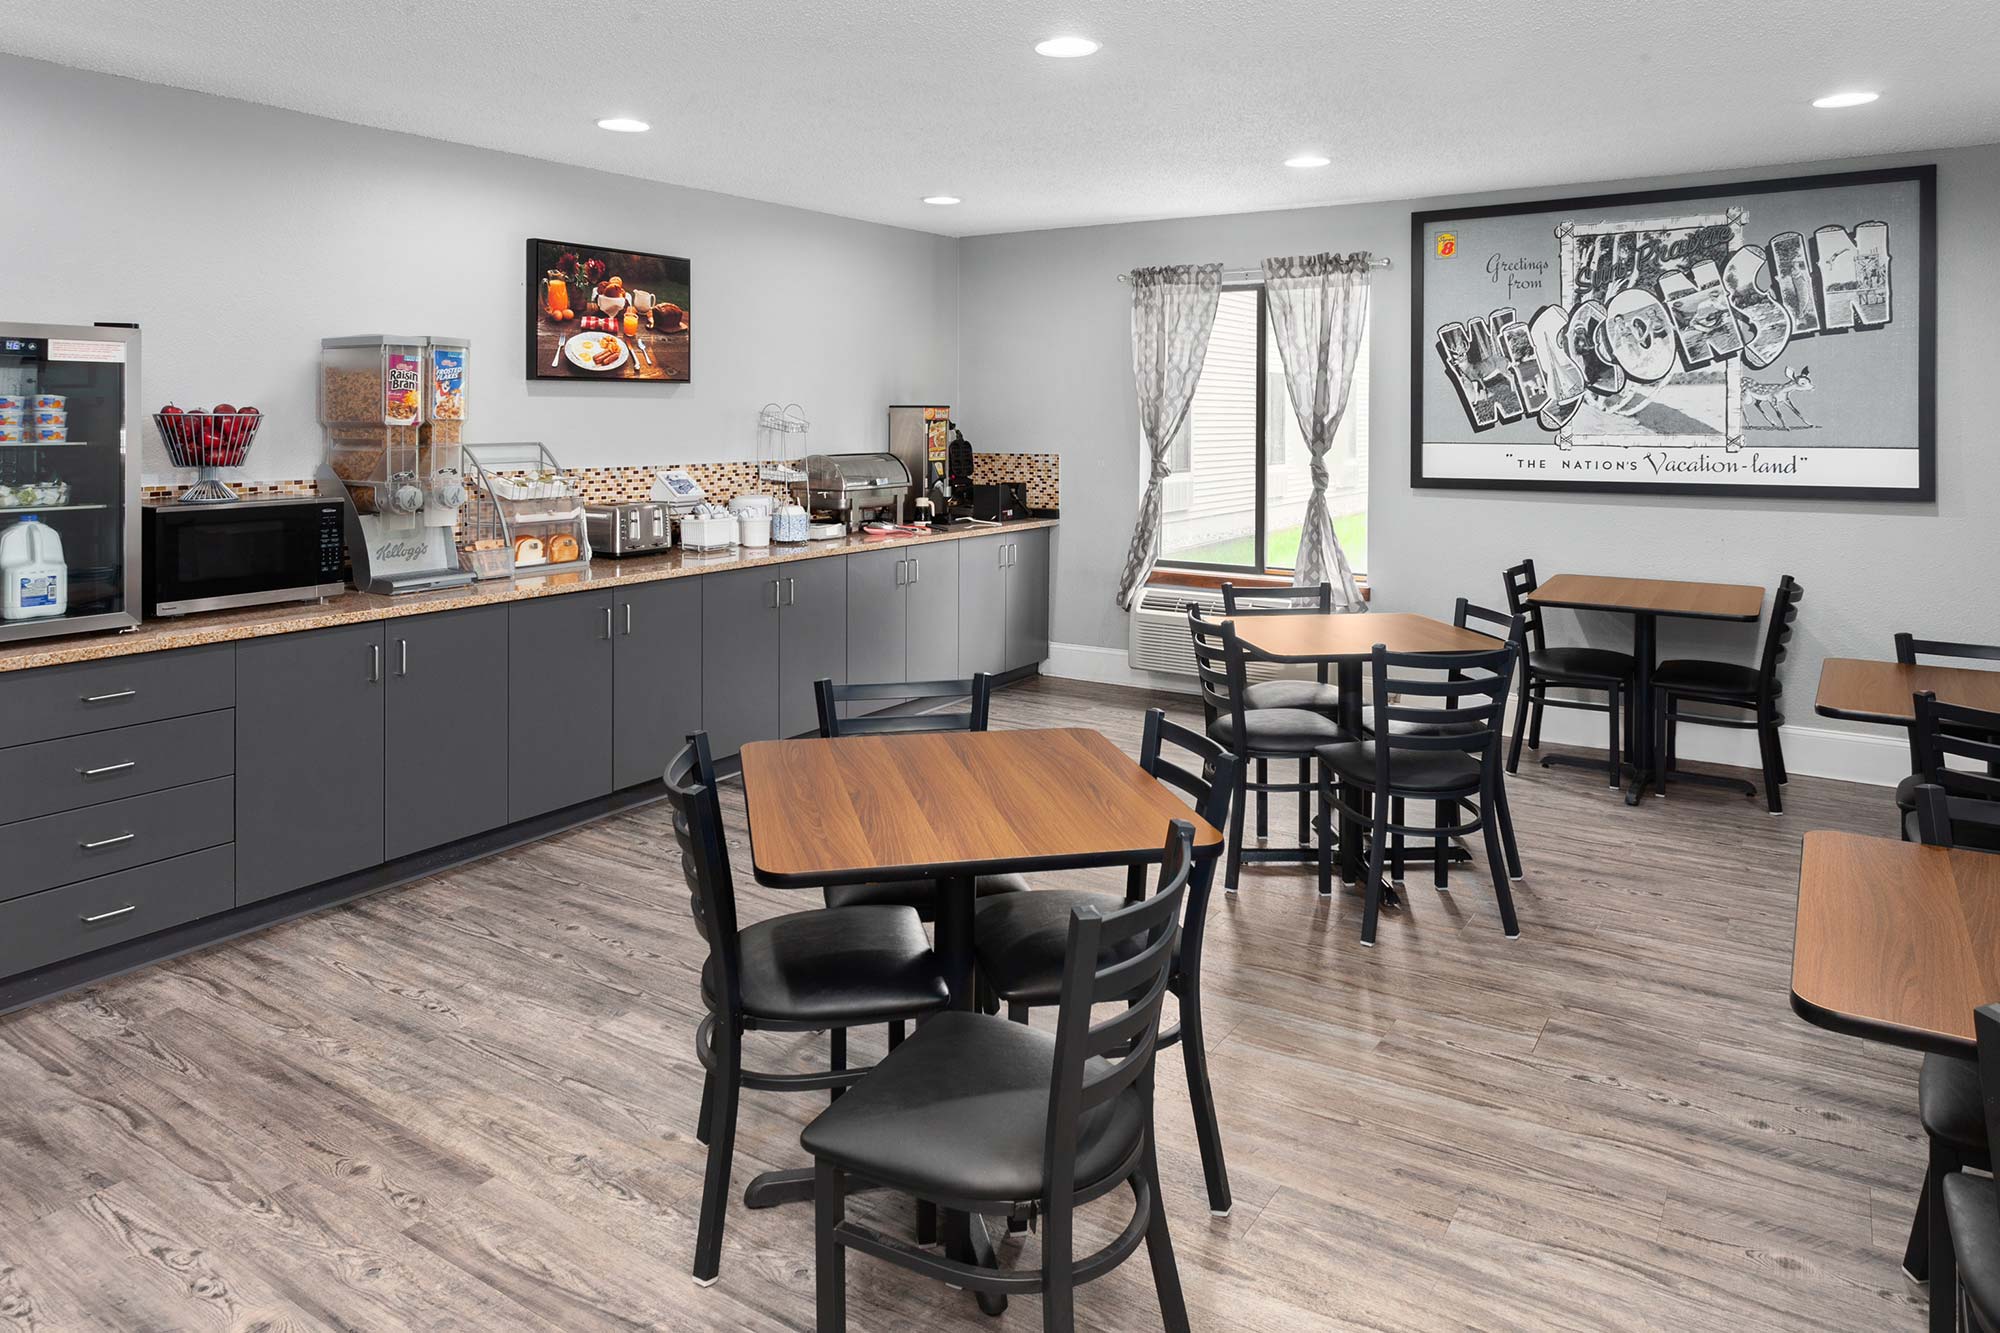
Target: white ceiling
{"points": [[861, 107]]}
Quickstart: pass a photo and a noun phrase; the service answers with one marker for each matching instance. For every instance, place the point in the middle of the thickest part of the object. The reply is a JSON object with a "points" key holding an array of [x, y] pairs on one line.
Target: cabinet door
{"points": [[445, 728], [932, 599], [1028, 598], [558, 702], [739, 658], [982, 605], [656, 688], [876, 616], [812, 639], [308, 758]]}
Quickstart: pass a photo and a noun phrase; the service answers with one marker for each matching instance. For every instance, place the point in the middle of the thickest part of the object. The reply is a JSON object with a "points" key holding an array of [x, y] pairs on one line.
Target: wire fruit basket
{"points": [[207, 442]]}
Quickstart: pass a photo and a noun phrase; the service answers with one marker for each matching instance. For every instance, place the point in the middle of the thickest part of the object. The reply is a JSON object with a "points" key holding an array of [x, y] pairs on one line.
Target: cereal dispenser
{"points": [[393, 409]]}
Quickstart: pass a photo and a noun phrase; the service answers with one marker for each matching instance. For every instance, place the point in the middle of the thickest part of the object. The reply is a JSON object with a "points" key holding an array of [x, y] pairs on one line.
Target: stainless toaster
{"points": [[636, 527]]}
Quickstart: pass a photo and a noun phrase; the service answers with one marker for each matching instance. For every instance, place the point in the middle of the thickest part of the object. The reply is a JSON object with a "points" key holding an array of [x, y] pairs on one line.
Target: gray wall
{"points": [[238, 236], [1045, 354]]}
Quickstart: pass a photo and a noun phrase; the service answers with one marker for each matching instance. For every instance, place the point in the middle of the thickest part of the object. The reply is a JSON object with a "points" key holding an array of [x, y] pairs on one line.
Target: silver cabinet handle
{"points": [[776, 589], [628, 618], [107, 698], [902, 574], [1003, 555], [791, 592], [916, 569], [107, 842], [402, 657], [106, 916], [108, 768], [374, 664], [607, 622]]}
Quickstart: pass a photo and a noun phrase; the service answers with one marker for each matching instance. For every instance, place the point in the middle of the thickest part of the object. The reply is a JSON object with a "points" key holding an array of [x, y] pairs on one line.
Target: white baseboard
{"points": [[1880, 758]]}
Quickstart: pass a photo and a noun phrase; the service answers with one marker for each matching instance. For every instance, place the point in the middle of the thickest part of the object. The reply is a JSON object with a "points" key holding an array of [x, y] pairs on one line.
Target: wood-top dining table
{"points": [[1646, 600], [1347, 640], [948, 806], [1861, 690]]}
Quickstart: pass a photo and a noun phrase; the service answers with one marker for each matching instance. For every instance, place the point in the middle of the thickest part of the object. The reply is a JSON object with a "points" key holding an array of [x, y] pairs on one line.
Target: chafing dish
{"points": [[856, 488]]}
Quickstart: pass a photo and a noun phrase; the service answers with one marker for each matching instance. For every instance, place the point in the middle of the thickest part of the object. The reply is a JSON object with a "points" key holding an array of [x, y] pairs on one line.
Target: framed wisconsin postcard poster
{"points": [[1772, 338]]}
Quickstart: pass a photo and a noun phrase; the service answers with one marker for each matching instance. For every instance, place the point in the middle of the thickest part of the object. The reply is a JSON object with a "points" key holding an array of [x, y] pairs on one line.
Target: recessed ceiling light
{"points": [[1834, 100], [1305, 161], [1066, 48], [623, 125], [942, 200]]}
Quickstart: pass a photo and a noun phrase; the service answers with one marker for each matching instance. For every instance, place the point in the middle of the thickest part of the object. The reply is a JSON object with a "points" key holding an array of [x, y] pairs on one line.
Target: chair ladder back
{"points": [[1211, 791], [1784, 610], [1278, 601], [1218, 667], [1511, 627], [1521, 581], [1485, 677], [1909, 647], [1094, 973], [1943, 732], [690, 782], [977, 692]]}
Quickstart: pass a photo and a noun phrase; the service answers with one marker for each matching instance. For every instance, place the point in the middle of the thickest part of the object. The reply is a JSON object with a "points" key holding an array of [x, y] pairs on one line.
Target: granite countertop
{"points": [[358, 607]]}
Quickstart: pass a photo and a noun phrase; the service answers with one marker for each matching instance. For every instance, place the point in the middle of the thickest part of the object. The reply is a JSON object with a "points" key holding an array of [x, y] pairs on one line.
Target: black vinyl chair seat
{"points": [[1949, 1102], [1696, 676], [842, 966], [1021, 937], [1423, 728], [1974, 1213], [920, 894], [1416, 770], [1279, 731], [1307, 694], [960, 1111], [1906, 793], [1580, 663]]}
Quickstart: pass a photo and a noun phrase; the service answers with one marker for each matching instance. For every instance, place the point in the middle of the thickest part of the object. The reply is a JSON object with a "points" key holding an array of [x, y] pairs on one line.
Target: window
{"points": [[1241, 473]]}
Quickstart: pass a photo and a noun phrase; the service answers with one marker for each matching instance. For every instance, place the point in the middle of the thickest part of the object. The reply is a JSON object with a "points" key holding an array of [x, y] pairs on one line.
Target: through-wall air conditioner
{"points": [[1158, 638]]}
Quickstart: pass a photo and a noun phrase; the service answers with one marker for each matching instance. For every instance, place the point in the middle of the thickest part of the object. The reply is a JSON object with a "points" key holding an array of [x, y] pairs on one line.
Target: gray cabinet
{"points": [[1027, 598], [445, 728], [559, 679], [48, 702], [812, 639], [308, 758], [982, 605], [931, 592], [656, 676], [739, 657], [878, 616]]}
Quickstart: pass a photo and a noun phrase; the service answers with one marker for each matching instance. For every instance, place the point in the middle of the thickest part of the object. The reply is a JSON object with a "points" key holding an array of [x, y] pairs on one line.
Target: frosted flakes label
{"points": [[447, 384]]}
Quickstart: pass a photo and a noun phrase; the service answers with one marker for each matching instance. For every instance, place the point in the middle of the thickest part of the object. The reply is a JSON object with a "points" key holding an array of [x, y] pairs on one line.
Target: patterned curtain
{"points": [[1319, 308], [1173, 310]]}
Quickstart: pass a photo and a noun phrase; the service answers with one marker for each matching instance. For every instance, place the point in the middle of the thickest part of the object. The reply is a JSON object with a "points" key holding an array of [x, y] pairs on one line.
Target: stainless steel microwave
{"points": [[213, 557]]}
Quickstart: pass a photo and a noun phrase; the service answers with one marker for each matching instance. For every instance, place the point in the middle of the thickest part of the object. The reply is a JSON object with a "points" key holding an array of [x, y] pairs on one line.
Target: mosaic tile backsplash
{"points": [[722, 481]]}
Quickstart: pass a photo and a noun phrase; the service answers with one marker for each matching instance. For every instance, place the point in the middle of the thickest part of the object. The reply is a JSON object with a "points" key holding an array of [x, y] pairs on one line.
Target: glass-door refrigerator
{"points": [[69, 479]]}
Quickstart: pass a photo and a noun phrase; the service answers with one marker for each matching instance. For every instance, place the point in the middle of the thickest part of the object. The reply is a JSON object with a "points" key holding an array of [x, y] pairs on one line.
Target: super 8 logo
{"points": [[1447, 244]]}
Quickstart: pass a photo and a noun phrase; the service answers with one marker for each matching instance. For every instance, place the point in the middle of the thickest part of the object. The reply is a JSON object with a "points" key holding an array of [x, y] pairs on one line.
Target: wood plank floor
{"points": [[469, 1105]]}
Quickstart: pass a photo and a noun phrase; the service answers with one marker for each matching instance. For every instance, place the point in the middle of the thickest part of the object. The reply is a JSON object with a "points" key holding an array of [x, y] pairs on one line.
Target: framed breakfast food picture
{"points": [[1770, 338], [599, 314]]}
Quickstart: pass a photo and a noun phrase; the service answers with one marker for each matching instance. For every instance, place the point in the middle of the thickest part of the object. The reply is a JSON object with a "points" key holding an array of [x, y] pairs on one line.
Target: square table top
{"points": [[920, 805], [1896, 941], [1336, 635], [1869, 691], [1665, 597]]}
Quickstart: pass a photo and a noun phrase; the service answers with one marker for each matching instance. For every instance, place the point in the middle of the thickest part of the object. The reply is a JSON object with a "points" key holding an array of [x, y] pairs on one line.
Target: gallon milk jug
{"points": [[32, 569]]}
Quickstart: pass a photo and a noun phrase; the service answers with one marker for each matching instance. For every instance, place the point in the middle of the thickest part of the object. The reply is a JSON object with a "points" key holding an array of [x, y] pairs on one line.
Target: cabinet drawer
{"points": [[76, 771], [48, 702], [41, 853], [77, 919]]}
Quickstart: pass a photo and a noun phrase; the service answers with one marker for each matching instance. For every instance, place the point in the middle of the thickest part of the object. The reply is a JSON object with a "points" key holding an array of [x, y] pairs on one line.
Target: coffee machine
{"points": [[920, 437]]}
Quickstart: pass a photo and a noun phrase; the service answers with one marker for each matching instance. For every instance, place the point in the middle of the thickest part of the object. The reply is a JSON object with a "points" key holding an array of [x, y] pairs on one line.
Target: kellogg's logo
{"points": [[1447, 244]]}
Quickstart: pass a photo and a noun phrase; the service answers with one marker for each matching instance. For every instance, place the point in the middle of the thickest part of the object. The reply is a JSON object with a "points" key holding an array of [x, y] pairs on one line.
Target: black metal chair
{"points": [[977, 694], [836, 969], [1613, 673], [1458, 769], [1694, 680], [1020, 938], [1220, 662], [1909, 648], [1508, 629], [1318, 694], [1972, 1205], [1970, 793], [988, 1117]]}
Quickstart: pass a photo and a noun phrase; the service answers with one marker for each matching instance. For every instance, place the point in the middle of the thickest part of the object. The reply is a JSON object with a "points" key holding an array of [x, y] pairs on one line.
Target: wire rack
{"points": [[781, 442]]}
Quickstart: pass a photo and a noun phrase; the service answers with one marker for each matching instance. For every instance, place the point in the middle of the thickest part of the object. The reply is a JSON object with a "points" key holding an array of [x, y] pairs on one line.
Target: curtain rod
{"points": [[1247, 274]]}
